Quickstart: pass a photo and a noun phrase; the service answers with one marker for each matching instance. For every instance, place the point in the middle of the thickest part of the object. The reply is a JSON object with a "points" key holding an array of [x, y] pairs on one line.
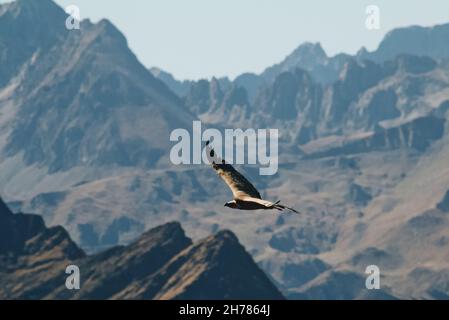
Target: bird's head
{"points": [[231, 204]]}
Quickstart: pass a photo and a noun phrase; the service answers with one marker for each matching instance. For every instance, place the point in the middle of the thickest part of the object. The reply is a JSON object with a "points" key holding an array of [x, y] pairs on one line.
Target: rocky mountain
{"points": [[77, 98], [367, 97], [161, 264], [213, 103], [417, 134], [180, 88], [414, 40], [363, 155], [363, 96], [312, 58]]}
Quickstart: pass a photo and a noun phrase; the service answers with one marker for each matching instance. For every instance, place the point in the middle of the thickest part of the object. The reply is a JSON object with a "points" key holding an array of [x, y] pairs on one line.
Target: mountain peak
{"points": [[413, 40], [83, 72], [173, 227], [225, 236], [108, 26], [310, 48], [171, 231], [17, 229], [107, 30], [214, 265], [362, 52], [306, 56], [38, 25], [156, 266]]}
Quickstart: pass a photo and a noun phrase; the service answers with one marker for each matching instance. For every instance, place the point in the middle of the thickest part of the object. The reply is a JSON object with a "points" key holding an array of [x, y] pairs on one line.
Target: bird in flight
{"points": [[246, 196]]}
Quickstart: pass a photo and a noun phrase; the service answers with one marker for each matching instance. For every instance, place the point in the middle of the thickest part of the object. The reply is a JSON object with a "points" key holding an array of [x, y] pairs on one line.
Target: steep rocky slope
{"points": [[78, 103], [161, 264]]}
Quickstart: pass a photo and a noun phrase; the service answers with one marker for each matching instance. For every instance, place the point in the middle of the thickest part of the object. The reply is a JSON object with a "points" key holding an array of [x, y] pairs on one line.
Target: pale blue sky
{"points": [[203, 38]]}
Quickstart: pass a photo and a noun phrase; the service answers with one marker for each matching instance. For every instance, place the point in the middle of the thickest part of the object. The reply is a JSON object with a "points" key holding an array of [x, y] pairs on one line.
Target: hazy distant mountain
{"points": [[161, 264], [215, 102], [77, 98], [414, 40], [181, 88], [340, 95], [218, 98], [308, 56], [312, 58], [367, 97], [418, 134]]}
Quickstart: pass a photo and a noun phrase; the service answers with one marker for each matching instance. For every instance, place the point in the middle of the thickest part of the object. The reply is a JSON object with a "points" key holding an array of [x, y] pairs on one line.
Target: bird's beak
{"points": [[225, 205]]}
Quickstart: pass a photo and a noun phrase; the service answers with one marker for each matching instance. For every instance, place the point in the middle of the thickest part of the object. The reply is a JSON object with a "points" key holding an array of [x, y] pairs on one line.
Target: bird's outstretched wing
{"points": [[241, 188]]}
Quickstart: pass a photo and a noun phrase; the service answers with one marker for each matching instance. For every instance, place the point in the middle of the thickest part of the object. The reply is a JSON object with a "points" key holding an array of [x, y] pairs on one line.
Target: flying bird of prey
{"points": [[246, 196]]}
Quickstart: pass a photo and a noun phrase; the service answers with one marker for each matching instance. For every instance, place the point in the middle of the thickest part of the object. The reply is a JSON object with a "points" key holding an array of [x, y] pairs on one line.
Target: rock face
{"points": [[417, 134], [161, 264], [364, 97], [214, 101], [79, 98], [416, 40], [180, 88], [312, 58], [204, 95], [24, 17], [215, 268]]}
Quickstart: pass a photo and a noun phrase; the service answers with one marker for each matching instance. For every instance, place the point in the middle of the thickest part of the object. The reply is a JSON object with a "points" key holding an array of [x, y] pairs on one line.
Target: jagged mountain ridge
{"points": [[78, 98], [413, 40], [161, 264], [331, 73], [367, 96]]}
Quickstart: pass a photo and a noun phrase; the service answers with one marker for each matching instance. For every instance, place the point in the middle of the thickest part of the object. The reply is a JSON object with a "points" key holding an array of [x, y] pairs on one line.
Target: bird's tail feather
{"points": [[281, 207]]}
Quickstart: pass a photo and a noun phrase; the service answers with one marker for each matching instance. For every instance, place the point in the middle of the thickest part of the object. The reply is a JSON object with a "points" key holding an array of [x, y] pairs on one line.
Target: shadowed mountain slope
{"points": [[161, 264]]}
